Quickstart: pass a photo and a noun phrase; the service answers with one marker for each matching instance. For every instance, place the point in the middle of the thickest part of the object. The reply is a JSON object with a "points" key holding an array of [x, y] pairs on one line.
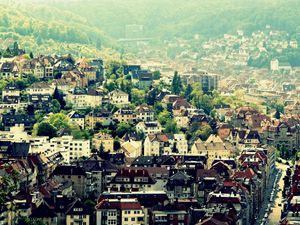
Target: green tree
{"points": [[44, 129], [59, 121], [123, 128], [138, 96], [176, 85], [58, 95], [204, 132], [163, 117], [151, 96], [171, 127], [156, 75], [117, 145], [54, 106], [158, 108], [188, 92], [277, 114], [202, 101]]}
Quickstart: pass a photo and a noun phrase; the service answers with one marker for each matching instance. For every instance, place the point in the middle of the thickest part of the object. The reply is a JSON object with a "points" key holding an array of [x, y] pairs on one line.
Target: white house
{"points": [[165, 144], [118, 97], [144, 113], [83, 99], [153, 127]]}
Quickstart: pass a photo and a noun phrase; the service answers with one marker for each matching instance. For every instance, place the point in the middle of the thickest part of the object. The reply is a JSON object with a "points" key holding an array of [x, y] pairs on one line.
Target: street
{"points": [[274, 216]]}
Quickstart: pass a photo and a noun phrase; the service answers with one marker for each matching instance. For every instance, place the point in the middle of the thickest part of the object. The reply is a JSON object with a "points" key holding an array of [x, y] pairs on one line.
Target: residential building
{"points": [[214, 148], [124, 115], [81, 180], [152, 127], [130, 179], [144, 113], [120, 211], [78, 213], [40, 94], [77, 118], [9, 69], [119, 98], [11, 94], [12, 119], [104, 140], [98, 116], [70, 148], [180, 186], [82, 98]]}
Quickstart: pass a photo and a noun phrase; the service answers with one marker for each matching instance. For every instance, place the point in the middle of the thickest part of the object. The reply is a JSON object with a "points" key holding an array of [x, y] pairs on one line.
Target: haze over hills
{"points": [[166, 19], [39, 24]]}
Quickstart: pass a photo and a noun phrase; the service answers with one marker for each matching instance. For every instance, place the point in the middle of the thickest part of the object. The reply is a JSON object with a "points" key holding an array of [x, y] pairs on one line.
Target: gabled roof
{"points": [[213, 138], [180, 176], [158, 137], [132, 173], [247, 173]]}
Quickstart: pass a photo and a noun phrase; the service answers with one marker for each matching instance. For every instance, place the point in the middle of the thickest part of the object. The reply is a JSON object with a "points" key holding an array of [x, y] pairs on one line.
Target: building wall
{"points": [[77, 219]]}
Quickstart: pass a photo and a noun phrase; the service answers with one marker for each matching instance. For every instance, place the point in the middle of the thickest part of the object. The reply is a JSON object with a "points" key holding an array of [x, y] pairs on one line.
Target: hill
{"points": [[45, 29]]}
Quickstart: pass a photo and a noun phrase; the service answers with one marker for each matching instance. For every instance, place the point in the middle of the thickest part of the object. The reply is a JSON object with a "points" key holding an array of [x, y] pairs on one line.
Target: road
{"points": [[274, 217], [275, 214]]}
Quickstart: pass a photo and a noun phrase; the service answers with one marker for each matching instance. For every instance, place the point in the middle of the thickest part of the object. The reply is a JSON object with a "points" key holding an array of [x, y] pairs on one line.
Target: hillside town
{"points": [[211, 139]]}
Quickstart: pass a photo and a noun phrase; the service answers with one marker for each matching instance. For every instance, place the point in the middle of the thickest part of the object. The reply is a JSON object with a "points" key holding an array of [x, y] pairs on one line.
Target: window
{"points": [[180, 217], [133, 219]]}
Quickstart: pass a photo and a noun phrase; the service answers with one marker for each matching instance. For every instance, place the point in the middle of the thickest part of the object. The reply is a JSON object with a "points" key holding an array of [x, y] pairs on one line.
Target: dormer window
{"points": [[78, 209]]}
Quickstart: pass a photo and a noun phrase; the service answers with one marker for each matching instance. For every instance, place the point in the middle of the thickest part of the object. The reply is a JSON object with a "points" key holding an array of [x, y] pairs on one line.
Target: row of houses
{"points": [[49, 67], [149, 190]]}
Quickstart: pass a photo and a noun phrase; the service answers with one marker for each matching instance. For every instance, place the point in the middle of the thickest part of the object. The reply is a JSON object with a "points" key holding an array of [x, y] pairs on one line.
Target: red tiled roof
{"points": [[247, 173]]}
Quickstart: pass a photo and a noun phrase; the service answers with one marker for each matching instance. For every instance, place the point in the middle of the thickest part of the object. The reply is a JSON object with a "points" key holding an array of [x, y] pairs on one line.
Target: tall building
{"points": [[208, 81]]}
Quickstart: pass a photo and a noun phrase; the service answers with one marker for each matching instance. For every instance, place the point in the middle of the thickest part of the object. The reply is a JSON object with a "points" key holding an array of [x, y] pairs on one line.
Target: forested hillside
{"points": [[69, 25], [45, 29]]}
